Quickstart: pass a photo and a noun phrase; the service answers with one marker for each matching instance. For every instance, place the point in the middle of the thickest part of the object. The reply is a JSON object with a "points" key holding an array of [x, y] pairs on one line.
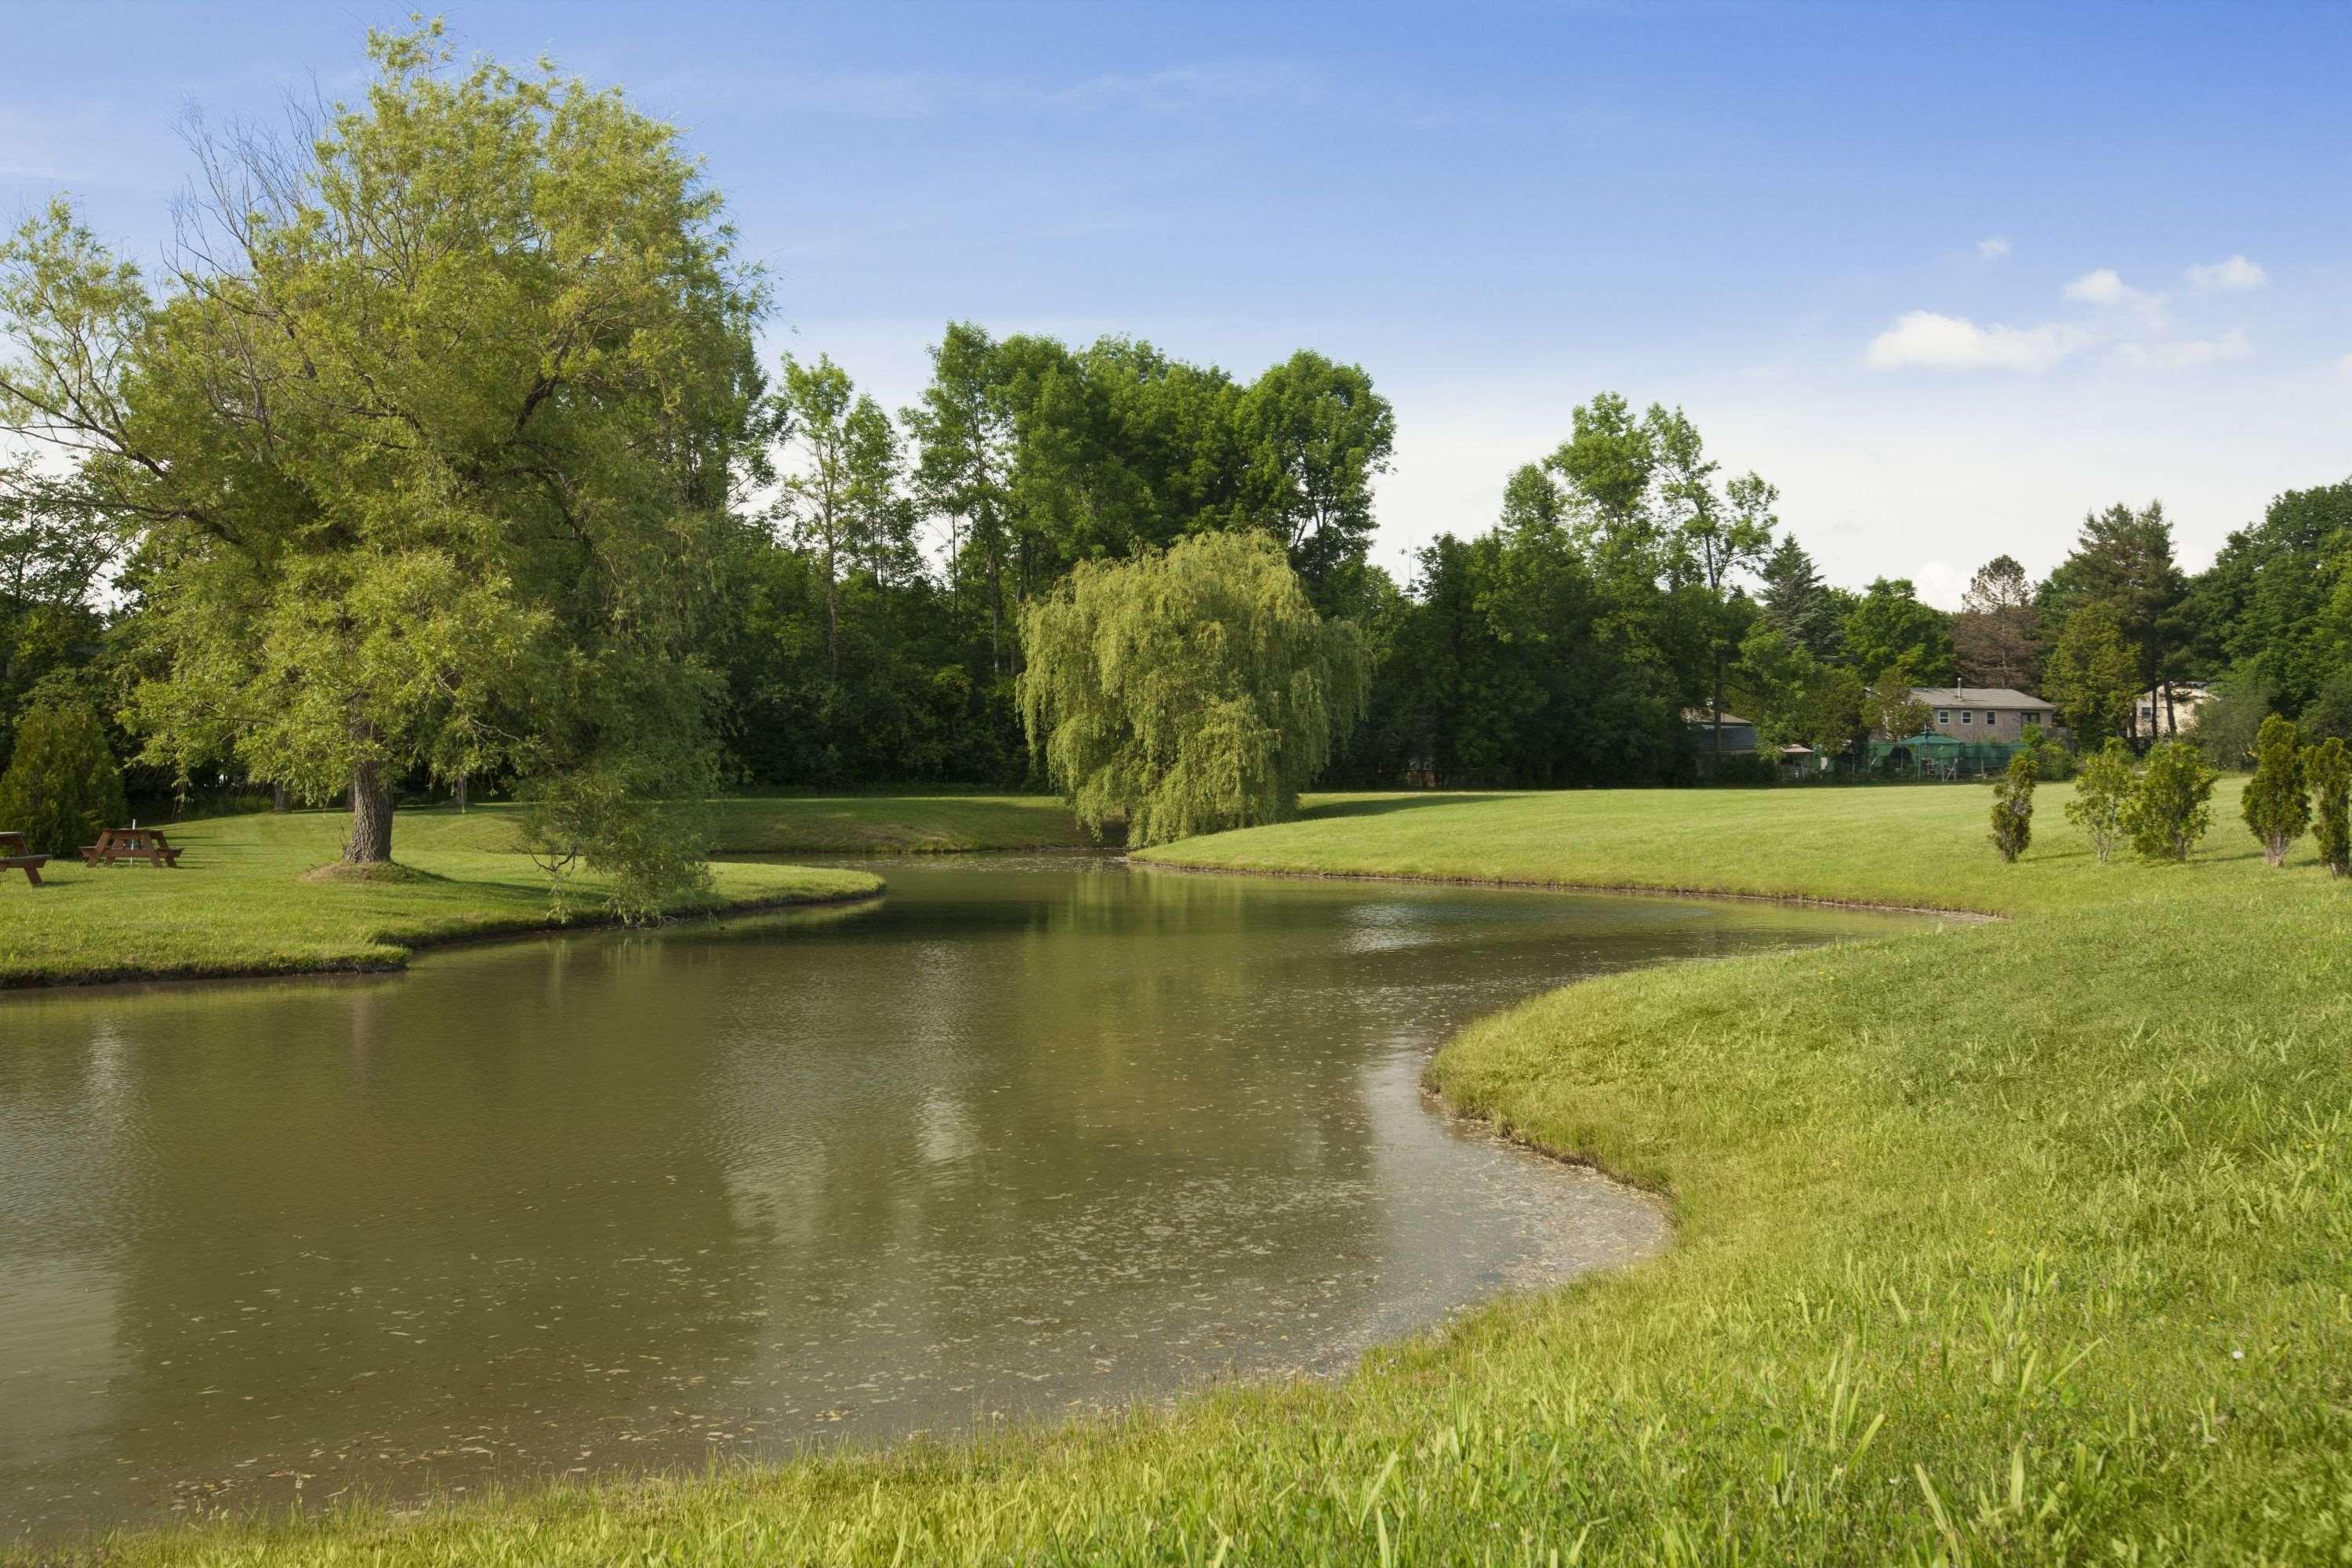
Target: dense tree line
{"points": [[420, 468]]}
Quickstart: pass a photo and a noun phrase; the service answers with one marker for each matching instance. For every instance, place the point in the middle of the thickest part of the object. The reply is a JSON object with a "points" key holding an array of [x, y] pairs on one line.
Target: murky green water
{"points": [[1026, 1136]]}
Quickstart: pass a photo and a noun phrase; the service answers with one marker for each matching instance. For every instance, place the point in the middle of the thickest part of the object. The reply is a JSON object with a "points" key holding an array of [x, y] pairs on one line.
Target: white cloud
{"points": [[1955, 343], [1993, 250], [2236, 273], [2103, 287], [2232, 344], [1940, 583]]}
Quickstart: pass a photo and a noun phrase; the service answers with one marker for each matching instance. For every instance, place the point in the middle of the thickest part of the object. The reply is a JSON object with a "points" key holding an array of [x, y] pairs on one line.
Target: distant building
{"points": [[1983, 712], [1739, 734], [2171, 708]]}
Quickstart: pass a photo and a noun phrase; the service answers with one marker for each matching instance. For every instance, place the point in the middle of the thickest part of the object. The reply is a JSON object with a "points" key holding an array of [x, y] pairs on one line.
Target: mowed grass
{"points": [[2026, 1241], [238, 903]]}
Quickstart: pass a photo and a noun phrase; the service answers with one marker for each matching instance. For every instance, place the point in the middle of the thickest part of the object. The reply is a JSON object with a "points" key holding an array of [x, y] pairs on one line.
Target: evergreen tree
{"points": [[2123, 563], [2102, 791], [1994, 641], [2328, 769], [63, 786], [2090, 676], [2275, 805], [2168, 813], [1796, 602], [2012, 807]]}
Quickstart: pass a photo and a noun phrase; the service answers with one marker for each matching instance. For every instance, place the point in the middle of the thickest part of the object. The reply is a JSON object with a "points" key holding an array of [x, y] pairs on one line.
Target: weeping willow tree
{"points": [[1188, 690]]}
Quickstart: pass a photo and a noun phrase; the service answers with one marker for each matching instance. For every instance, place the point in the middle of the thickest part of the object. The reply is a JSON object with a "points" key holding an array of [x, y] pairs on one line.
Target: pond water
{"points": [[1026, 1136]]}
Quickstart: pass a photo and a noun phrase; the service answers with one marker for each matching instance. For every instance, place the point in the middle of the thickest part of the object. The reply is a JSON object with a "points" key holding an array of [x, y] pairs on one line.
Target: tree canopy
{"points": [[1187, 691]]}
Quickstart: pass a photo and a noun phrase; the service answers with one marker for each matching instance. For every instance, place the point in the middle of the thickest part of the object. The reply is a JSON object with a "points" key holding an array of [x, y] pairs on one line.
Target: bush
{"points": [[2052, 763], [62, 785], [2274, 806], [2101, 794], [2012, 806], [2168, 813], [2328, 769]]}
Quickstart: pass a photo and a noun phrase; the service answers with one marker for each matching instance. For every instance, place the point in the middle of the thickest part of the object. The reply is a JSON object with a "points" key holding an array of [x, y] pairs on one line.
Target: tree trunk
{"points": [[457, 793], [278, 798], [370, 840]]}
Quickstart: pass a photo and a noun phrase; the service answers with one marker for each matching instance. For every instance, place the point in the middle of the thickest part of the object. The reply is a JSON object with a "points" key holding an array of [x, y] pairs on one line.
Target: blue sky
{"points": [[1948, 276]]}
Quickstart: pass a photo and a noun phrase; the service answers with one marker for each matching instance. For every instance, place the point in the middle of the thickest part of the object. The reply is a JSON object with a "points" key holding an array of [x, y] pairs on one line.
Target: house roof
{"points": [[1976, 696], [1699, 716]]}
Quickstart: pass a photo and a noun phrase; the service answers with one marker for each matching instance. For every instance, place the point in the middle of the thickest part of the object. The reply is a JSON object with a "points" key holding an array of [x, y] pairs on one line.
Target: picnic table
{"points": [[12, 858], [115, 843]]}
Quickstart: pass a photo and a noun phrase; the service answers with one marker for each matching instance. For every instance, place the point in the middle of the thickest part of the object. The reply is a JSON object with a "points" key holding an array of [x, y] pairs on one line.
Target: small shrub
{"points": [[62, 785], [2275, 807], [2101, 794], [2168, 813], [2012, 806], [2052, 763], [2328, 769]]}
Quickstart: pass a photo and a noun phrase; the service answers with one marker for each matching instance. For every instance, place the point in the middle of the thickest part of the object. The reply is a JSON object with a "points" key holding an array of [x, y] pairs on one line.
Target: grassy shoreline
{"points": [[2021, 1240], [239, 906]]}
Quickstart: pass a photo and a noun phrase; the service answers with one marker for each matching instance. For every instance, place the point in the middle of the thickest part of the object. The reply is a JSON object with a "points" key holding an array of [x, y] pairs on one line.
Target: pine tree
{"points": [[62, 787], [2012, 807], [2101, 794], [2328, 769], [2275, 807], [1797, 602], [2168, 813]]}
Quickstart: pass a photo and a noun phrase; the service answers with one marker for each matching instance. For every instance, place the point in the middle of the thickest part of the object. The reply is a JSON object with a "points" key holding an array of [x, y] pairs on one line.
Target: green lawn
{"points": [[236, 904], [2014, 1241]]}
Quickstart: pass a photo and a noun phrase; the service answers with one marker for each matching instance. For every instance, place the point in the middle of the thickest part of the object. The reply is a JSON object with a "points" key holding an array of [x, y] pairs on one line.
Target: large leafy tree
{"points": [[842, 497], [62, 787], [425, 446], [1187, 691], [2091, 675], [1889, 626], [2265, 609], [1994, 639]]}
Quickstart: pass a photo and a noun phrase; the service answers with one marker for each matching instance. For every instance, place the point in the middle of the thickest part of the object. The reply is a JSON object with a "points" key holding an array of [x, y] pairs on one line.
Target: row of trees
{"points": [[439, 452]]}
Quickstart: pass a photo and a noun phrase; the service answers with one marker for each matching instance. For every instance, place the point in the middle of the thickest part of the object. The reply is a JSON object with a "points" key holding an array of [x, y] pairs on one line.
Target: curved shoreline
{"points": [[409, 949]]}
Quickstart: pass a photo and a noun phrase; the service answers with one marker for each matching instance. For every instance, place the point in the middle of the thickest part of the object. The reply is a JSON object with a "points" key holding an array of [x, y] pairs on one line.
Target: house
{"points": [[1983, 712], [2171, 708], [1739, 734]]}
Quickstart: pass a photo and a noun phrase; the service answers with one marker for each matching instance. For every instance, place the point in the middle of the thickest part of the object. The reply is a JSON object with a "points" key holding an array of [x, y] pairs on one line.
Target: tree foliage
{"points": [[63, 786], [2012, 807], [1889, 626], [2328, 769], [2090, 679], [1994, 637], [1188, 690], [426, 450], [2170, 811], [2275, 805], [2102, 792]]}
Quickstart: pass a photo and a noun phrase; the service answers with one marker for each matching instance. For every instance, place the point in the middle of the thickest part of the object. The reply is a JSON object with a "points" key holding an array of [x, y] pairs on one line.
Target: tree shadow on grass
{"points": [[1383, 805]]}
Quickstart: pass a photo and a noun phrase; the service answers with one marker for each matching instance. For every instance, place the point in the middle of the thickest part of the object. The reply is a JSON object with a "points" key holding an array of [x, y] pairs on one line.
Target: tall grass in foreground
{"points": [[2010, 1242]]}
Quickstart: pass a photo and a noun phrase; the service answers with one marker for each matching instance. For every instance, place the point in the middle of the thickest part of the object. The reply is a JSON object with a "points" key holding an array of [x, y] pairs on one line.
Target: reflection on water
{"points": [[1026, 1136]]}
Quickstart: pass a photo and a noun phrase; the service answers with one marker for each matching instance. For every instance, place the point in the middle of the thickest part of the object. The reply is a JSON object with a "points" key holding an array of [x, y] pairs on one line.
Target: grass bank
{"points": [[2022, 1241], [238, 903]]}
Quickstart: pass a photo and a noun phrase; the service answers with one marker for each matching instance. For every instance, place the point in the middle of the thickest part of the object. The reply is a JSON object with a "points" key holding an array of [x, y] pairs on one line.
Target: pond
{"points": [[1024, 1137]]}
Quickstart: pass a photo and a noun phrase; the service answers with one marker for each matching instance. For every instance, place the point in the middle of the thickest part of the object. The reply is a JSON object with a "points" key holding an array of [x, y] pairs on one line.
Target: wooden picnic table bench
{"points": [[14, 858], [115, 843]]}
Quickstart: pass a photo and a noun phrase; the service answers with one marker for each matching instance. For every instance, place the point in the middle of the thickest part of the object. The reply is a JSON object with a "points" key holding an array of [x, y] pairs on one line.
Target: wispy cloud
{"points": [[1993, 250], [2184, 351], [1932, 341], [2237, 273], [2105, 286]]}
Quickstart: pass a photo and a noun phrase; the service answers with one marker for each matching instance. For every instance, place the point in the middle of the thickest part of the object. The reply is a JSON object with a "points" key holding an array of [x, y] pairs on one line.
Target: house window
{"points": [[1967, 716], [1943, 716]]}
